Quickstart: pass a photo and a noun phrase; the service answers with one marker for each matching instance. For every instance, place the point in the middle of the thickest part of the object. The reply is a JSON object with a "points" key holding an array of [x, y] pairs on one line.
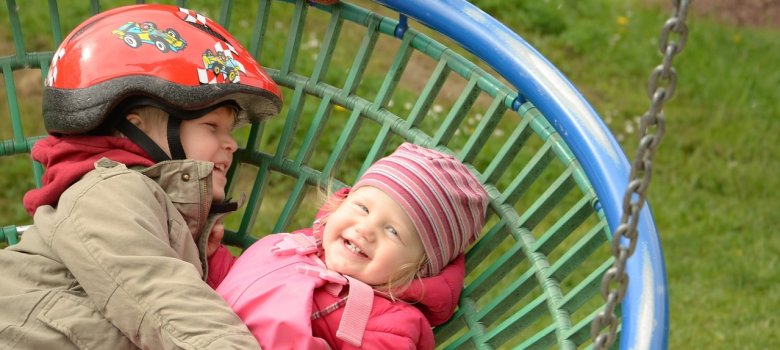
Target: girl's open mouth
{"points": [[354, 248]]}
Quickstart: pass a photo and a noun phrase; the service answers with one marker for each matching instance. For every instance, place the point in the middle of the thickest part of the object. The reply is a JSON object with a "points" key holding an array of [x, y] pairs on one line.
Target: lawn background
{"points": [[713, 192]]}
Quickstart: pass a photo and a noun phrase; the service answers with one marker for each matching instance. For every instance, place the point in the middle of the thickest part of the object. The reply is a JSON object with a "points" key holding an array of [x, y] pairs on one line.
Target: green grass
{"points": [[714, 181], [713, 187]]}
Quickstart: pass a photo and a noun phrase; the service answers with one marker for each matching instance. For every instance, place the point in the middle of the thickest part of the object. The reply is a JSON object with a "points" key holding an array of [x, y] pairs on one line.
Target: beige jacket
{"points": [[115, 266]]}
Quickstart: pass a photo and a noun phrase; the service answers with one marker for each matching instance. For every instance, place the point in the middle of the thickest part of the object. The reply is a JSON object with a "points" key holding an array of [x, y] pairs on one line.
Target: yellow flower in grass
{"points": [[622, 22]]}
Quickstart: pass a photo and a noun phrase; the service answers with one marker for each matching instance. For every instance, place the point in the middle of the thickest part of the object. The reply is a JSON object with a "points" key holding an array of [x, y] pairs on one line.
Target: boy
{"points": [[135, 163]]}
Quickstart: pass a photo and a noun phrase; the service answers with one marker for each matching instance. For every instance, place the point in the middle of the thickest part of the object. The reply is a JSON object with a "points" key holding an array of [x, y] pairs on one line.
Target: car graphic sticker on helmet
{"points": [[221, 64], [134, 35], [199, 21], [192, 16]]}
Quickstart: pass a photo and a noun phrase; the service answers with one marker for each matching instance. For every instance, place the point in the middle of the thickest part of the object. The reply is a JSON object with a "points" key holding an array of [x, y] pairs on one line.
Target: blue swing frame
{"points": [[645, 308]]}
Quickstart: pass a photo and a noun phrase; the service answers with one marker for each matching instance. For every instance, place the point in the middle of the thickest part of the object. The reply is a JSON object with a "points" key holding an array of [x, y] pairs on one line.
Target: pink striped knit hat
{"points": [[442, 197]]}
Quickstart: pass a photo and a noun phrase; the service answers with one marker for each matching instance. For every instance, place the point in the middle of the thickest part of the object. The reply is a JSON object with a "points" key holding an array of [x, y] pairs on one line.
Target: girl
{"points": [[380, 266]]}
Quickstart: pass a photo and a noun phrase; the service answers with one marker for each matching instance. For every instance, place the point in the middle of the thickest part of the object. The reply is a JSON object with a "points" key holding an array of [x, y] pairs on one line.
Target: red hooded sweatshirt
{"points": [[67, 158]]}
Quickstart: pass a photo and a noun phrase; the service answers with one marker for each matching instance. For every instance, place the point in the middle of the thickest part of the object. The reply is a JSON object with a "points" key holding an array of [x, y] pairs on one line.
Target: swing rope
{"points": [[615, 280]]}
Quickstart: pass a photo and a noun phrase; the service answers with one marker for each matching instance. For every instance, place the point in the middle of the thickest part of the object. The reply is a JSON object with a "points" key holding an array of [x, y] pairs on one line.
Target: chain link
{"points": [[661, 86]]}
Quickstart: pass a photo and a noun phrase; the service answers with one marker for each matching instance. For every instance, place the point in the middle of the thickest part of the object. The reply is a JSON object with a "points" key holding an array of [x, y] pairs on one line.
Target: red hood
{"points": [[436, 296], [67, 158]]}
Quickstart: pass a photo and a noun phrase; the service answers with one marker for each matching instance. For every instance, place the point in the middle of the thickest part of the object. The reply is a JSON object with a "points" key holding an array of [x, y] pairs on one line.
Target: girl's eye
{"points": [[392, 231], [362, 207]]}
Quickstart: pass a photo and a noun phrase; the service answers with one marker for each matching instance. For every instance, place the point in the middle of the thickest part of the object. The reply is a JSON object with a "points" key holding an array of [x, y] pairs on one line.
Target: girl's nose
{"points": [[366, 230]]}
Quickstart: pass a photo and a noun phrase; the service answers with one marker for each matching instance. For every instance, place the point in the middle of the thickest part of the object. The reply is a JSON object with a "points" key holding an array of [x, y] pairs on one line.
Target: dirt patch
{"points": [[749, 13]]}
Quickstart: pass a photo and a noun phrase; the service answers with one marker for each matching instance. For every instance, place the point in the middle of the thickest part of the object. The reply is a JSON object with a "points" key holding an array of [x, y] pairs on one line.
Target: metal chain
{"points": [[615, 280]]}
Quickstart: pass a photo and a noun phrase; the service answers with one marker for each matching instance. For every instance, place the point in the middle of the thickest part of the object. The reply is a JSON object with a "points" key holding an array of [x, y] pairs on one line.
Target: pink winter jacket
{"points": [[276, 298]]}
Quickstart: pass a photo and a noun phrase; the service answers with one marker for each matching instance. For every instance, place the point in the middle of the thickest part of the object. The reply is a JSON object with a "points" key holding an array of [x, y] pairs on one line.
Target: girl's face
{"points": [[369, 237], [208, 138]]}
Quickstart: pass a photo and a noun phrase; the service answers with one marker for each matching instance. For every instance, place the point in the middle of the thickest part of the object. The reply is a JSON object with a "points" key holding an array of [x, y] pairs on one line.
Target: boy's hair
{"points": [[155, 115], [152, 115]]}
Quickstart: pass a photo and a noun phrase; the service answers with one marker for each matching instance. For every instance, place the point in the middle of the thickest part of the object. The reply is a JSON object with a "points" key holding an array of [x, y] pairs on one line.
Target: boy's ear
{"points": [[136, 120]]}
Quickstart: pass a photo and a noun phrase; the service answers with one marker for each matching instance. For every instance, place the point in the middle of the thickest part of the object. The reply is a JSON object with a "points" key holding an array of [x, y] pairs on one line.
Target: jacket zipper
{"points": [[204, 210]]}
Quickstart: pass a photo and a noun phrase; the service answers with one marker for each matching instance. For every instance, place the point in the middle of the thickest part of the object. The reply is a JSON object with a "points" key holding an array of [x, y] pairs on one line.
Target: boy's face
{"points": [[208, 138], [370, 236]]}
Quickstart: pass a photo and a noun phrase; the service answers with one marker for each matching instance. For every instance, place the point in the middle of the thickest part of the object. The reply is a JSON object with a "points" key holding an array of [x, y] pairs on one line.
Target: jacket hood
{"points": [[438, 295], [67, 158], [435, 296]]}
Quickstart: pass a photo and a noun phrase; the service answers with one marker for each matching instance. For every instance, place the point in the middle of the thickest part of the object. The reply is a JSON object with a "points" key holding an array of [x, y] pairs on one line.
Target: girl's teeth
{"points": [[353, 248]]}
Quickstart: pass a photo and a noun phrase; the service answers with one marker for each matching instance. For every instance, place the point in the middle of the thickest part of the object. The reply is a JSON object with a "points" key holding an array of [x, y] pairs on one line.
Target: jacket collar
{"points": [[188, 185]]}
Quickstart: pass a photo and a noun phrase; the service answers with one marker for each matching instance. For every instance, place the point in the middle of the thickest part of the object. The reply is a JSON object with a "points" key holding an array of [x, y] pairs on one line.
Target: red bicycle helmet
{"points": [[181, 60]]}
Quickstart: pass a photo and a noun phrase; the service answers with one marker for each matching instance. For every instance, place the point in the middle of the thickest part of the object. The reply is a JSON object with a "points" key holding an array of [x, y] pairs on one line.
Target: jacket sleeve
{"points": [[123, 259], [219, 265]]}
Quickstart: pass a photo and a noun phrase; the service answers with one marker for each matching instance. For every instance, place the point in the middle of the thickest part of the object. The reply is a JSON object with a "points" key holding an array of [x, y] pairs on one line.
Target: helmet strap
{"points": [[174, 138], [142, 140], [225, 207]]}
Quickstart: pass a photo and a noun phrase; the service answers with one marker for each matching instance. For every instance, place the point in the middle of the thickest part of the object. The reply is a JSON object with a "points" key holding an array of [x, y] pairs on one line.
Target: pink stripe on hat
{"points": [[445, 201]]}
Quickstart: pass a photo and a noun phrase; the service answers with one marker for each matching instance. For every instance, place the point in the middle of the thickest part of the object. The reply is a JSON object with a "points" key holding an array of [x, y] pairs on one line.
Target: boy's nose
{"points": [[230, 144]]}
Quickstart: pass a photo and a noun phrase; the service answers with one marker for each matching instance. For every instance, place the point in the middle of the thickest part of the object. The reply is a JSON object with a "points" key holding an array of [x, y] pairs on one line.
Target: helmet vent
{"points": [[86, 26], [208, 30]]}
